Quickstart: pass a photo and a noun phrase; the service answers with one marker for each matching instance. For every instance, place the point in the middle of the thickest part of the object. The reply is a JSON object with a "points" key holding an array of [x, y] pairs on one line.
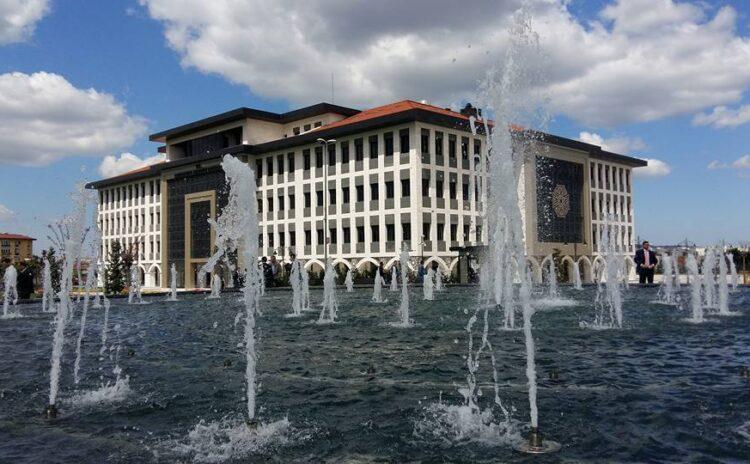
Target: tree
{"points": [[54, 264], [115, 271]]}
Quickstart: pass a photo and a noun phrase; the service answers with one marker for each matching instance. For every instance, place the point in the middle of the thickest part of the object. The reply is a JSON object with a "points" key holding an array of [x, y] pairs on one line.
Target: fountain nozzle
{"points": [[252, 424], [50, 412], [535, 444]]}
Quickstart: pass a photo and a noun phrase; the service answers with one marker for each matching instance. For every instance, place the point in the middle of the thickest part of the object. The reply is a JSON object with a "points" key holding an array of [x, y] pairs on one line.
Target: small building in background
{"points": [[16, 247]]}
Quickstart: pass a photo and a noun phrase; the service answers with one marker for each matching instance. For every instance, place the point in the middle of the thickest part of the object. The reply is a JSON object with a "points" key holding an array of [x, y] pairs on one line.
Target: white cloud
{"points": [[6, 214], [742, 162], [113, 166], [18, 19], [621, 145], [44, 118], [716, 165], [723, 117], [655, 168], [639, 60]]}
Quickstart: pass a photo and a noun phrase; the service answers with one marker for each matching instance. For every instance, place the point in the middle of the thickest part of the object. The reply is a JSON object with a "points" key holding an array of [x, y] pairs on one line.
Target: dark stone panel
{"points": [[559, 200]]}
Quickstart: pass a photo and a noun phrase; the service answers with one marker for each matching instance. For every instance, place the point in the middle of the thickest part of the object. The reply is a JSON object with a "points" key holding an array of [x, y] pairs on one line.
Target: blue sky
{"points": [[166, 62]]}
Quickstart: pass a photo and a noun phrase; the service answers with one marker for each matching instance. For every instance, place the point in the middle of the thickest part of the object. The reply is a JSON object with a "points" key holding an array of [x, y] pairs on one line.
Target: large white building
{"points": [[365, 182]]}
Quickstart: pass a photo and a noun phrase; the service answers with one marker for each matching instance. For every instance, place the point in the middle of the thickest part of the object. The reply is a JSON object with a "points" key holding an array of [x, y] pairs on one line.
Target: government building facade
{"points": [[365, 183]]}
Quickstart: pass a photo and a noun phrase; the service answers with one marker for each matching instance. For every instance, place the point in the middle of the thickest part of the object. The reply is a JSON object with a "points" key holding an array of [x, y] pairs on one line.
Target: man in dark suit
{"points": [[646, 261]]}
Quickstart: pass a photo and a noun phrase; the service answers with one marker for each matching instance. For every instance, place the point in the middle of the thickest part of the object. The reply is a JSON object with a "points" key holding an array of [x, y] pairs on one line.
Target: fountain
{"points": [[404, 306], [377, 290], [734, 277], [723, 285], [90, 282], [10, 279], [72, 244], [696, 301], [394, 279], [608, 300], [707, 276], [577, 284], [134, 289], [215, 286], [667, 294], [552, 291], [173, 283], [349, 281], [48, 295], [306, 306], [428, 286], [439, 286], [330, 305], [295, 280]]}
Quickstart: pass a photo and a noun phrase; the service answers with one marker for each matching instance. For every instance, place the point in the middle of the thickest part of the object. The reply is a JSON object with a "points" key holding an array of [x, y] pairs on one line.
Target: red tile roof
{"points": [[392, 108], [15, 237]]}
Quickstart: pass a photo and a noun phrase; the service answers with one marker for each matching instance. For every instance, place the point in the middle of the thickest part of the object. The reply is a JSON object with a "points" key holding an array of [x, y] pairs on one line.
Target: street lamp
{"points": [[325, 143]]}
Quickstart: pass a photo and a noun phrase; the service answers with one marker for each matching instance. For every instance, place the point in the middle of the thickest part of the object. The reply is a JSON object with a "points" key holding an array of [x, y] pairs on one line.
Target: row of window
{"points": [[604, 176], [603, 205], [359, 231], [130, 223], [146, 249], [620, 236], [110, 198]]}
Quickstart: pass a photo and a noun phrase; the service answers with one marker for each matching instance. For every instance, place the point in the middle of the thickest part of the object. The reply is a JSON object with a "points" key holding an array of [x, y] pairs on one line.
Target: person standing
{"points": [[25, 283], [646, 261]]}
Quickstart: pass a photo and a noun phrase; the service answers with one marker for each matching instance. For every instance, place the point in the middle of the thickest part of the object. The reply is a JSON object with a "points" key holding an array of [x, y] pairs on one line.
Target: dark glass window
{"points": [[465, 148], [452, 189], [454, 232], [280, 164], [306, 159], [440, 231], [308, 237], [260, 205], [345, 194], [270, 204], [319, 195], [290, 161], [438, 144], [332, 235], [451, 146], [426, 230], [347, 234], [332, 155], [269, 166], [466, 232], [465, 191], [318, 157], [320, 237], [296, 131], [439, 188], [425, 141], [375, 233], [344, 152], [258, 169], [373, 146], [291, 201], [425, 187], [389, 190], [332, 196], [306, 127], [406, 230], [360, 193], [360, 234], [374, 192], [281, 202], [359, 150], [292, 238], [405, 187], [307, 200], [388, 140], [317, 124], [390, 232], [404, 140]]}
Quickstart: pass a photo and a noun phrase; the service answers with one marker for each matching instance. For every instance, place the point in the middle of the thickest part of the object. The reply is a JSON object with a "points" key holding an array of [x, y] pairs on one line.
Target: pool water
{"points": [[659, 390]]}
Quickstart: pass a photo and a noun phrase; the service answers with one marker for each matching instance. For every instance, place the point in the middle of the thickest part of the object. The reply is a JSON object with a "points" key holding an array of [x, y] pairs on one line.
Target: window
{"points": [[281, 202], [308, 237], [320, 237], [406, 230], [282, 239], [290, 161], [477, 147], [454, 232], [258, 169], [344, 152], [440, 231], [280, 163], [438, 144], [466, 232], [306, 127], [389, 191], [318, 157], [345, 194], [375, 233], [306, 159], [360, 234], [332, 235], [452, 189], [359, 150], [426, 230], [260, 240], [296, 131], [374, 193], [270, 204], [347, 234], [319, 195], [479, 233], [405, 188], [307, 200], [373, 146], [270, 239], [403, 138], [332, 154], [465, 187], [292, 238], [269, 166], [390, 232], [425, 141], [439, 188], [464, 148], [360, 192], [451, 146], [332, 196], [318, 124], [291, 201], [425, 187], [388, 139]]}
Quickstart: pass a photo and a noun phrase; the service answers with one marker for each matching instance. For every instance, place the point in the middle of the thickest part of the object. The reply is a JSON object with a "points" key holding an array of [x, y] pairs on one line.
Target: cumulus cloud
{"points": [[621, 145], [742, 162], [723, 117], [114, 166], [44, 118], [716, 165], [637, 60], [18, 19], [6, 214], [655, 168]]}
